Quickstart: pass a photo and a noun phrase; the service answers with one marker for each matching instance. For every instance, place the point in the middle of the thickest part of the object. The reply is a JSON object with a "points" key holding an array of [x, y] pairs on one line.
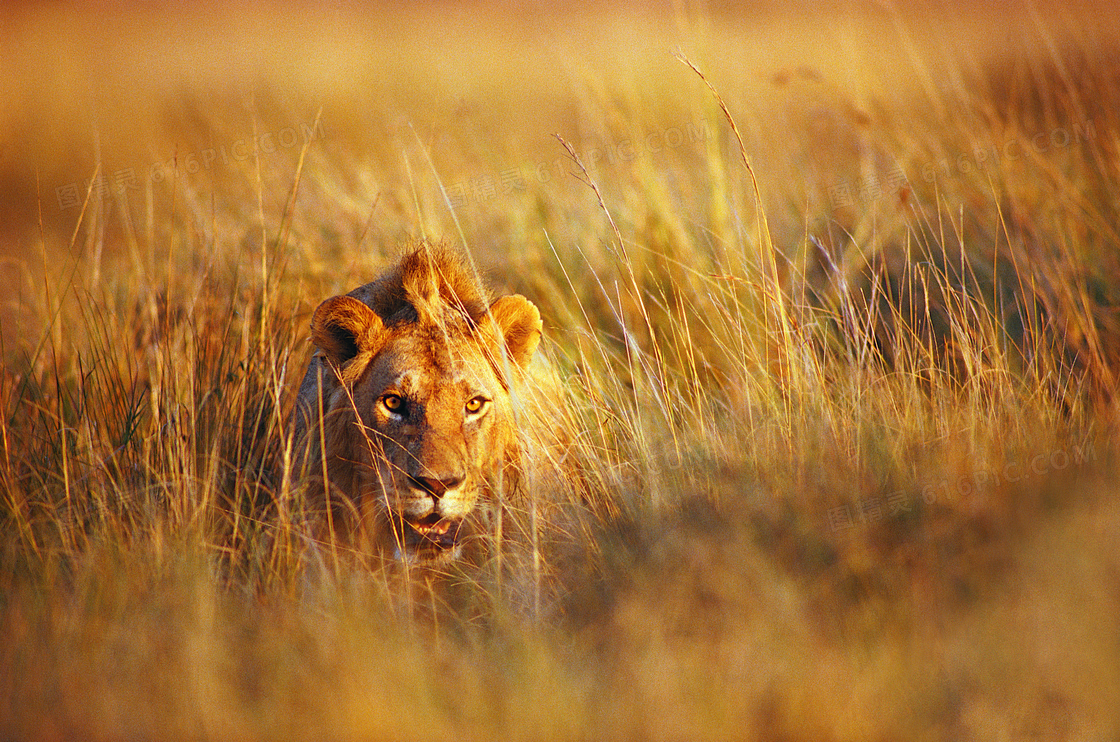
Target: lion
{"points": [[416, 409]]}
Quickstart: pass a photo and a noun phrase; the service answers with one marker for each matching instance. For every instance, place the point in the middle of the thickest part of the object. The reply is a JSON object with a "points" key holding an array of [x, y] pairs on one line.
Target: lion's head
{"points": [[409, 406]]}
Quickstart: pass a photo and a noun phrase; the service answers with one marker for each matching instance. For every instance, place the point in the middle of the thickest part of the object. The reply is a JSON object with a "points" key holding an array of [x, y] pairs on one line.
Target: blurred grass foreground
{"points": [[840, 367]]}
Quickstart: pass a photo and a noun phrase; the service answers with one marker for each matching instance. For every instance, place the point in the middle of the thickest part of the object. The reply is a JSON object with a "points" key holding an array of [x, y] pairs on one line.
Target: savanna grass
{"points": [[839, 366]]}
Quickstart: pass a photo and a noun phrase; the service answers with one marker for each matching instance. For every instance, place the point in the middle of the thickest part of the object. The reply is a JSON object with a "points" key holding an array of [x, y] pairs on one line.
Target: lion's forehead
{"points": [[423, 382], [416, 366]]}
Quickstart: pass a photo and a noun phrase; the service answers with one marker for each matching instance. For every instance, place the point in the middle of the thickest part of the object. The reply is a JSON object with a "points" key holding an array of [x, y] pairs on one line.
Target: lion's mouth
{"points": [[432, 536]]}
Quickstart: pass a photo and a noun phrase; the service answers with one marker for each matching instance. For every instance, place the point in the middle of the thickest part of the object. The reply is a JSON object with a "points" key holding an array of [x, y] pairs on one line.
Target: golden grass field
{"points": [[840, 362]]}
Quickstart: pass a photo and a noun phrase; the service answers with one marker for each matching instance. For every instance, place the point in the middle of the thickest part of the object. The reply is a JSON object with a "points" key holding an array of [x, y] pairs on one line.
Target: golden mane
{"points": [[415, 412], [425, 278]]}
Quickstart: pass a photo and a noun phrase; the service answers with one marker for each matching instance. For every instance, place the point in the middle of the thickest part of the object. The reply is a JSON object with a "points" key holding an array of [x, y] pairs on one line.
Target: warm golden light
{"points": [[836, 311]]}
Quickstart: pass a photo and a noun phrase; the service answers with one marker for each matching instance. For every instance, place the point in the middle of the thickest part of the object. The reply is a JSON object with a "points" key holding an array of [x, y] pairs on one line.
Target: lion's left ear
{"points": [[519, 324], [343, 327]]}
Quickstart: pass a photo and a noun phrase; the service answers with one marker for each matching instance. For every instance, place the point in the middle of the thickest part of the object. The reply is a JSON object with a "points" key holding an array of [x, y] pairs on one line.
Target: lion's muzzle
{"points": [[430, 519]]}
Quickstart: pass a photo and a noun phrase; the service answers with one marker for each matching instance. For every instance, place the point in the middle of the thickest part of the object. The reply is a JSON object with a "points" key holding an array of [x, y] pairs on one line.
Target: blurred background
{"points": [[138, 99], [124, 88], [841, 364]]}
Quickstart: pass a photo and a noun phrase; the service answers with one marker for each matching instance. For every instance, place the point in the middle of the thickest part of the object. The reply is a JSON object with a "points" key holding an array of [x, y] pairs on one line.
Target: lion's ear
{"points": [[519, 324], [342, 327]]}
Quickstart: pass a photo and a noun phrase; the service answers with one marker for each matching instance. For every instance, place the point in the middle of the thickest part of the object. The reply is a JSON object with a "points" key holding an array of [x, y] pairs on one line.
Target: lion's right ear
{"points": [[519, 323], [342, 327]]}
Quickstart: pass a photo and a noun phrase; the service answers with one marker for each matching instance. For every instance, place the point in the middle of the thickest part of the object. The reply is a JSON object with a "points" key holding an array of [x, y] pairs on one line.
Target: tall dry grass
{"points": [[838, 331]]}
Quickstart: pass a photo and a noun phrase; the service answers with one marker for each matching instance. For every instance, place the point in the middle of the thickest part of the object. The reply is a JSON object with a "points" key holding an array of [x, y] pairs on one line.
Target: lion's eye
{"points": [[475, 405], [393, 403]]}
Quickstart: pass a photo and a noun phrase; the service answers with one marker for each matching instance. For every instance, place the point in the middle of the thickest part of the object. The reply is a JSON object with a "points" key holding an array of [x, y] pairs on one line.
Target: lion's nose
{"points": [[438, 485]]}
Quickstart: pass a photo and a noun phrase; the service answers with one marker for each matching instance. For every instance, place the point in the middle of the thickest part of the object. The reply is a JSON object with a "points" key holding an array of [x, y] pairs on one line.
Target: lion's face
{"points": [[420, 416], [432, 438]]}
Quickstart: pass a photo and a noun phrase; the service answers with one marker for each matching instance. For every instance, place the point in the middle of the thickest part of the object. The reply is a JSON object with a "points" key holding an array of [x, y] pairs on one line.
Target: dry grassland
{"points": [[840, 361]]}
